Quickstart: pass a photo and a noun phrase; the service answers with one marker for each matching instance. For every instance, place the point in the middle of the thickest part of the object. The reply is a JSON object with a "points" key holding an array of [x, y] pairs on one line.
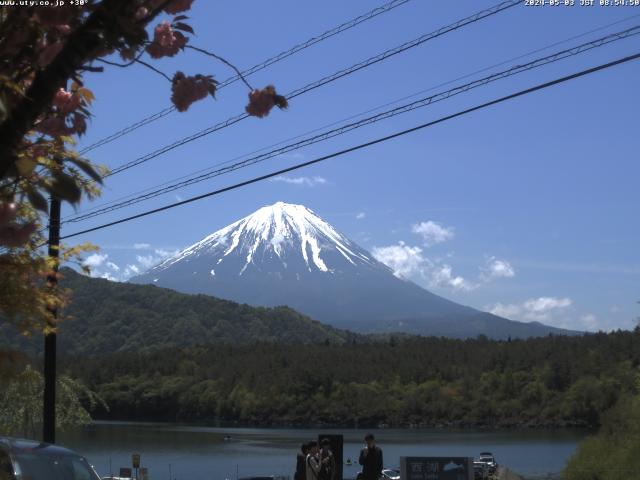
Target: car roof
{"points": [[22, 445]]}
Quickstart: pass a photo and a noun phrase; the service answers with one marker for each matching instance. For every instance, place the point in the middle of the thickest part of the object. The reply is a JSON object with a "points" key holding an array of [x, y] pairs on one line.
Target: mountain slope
{"points": [[106, 317], [285, 254]]}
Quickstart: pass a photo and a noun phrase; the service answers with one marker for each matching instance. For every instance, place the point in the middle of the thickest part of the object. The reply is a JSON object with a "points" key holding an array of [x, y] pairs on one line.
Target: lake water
{"points": [[201, 453]]}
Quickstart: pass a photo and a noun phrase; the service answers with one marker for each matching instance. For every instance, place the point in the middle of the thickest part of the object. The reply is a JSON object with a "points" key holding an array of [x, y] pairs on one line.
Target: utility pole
{"points": [[49, 399]]}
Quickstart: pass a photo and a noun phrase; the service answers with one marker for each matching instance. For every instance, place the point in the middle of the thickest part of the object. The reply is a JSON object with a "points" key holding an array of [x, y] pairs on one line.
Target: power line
{"points": [[387, 7], [420, 103], [326, 80], [351, 117], [364, 145]]}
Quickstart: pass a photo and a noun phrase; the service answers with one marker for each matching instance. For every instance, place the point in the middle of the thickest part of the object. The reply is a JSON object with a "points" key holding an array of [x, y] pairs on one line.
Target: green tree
{"points": [[21, 403], [613, 453]]}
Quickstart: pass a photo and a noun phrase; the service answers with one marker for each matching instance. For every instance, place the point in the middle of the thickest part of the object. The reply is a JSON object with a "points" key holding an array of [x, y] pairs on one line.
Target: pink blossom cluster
{"points": [[188, 89], [166, 41], [66, 102], [261, 101]]}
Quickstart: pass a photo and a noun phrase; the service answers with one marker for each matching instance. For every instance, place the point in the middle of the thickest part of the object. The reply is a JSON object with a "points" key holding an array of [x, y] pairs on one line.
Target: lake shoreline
{"points": [[371, 425]]}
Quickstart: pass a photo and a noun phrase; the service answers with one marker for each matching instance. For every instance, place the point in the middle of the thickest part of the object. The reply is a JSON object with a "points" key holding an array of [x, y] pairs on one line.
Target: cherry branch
{"points": [[82, 44], [135, 60], [226, 62]]}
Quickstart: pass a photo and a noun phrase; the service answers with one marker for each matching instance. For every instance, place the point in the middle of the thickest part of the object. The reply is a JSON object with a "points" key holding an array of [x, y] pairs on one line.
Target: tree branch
{"points": [[81, 45], [226, 62], [148, 65]]}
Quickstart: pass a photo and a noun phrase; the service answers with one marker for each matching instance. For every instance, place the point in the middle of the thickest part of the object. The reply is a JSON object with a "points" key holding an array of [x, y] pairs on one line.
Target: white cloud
{"points": [[550, 310], [404, 260], [496, 268], [433, 233], [147, 261], [302, 181], [544, 304], [141, 246], [590, 321], [164, 253], [113, 266], [108, 276], [360, 215], [95, 260], [409, 263], [131, 270], [443, 276], [510, 311], [151, 260]]}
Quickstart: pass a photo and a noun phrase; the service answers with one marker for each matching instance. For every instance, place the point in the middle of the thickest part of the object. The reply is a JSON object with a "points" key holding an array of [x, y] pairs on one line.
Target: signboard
{"points": [[337, 444], [135, 460], [436, 468], [125, 472]]}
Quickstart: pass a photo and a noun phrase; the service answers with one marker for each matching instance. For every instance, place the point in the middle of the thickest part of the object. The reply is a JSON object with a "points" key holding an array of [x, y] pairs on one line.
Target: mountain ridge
{"points": [[111, 317]]}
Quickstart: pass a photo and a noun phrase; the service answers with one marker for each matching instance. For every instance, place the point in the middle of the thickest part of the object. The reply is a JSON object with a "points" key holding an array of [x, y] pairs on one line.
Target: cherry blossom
{"points": [[186, 90], [166, 42], [261, 101], [66, 102]]}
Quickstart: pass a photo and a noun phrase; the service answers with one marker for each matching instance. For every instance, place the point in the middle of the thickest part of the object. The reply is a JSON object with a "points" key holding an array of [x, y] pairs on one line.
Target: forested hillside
{"points": [[552, 381], [106, 317]]}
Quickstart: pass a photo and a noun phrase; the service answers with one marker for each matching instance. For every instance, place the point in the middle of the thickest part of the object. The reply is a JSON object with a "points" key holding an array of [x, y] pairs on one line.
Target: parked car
{"points": [[390, 474], [489, 460], [21, 458]]}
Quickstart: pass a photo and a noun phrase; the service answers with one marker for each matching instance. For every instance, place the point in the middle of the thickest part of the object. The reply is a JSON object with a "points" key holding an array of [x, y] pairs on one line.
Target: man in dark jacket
{"points": [[371, 459], [301, 463]]}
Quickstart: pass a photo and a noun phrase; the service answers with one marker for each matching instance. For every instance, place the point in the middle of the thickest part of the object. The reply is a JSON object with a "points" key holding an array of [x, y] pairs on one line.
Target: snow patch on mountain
{"points": [[281, 229]]}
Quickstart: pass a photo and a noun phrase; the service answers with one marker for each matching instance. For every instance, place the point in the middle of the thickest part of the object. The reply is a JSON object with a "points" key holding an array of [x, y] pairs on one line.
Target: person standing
{"points": [[371, 459], [301, 463], [313, 462], [327, 461]]}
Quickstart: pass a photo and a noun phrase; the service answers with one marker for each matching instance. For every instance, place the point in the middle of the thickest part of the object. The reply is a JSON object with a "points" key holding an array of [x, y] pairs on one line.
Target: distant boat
{"points": [[227, 438], [348, 463]]}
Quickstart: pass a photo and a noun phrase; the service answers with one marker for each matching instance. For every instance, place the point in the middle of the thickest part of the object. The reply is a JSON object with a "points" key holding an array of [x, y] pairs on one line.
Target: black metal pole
{"points": [[49, 403]]}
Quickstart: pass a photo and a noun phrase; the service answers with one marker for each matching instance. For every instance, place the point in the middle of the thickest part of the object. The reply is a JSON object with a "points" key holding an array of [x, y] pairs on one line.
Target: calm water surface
{"points": [[201, 453]]}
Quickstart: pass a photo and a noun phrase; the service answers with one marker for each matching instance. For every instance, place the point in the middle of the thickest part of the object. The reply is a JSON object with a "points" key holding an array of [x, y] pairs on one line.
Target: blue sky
{"points": [[527, 209]]}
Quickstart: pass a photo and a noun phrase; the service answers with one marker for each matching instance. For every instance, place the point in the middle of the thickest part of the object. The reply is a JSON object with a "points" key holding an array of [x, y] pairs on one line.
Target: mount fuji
{"points": [[285, 254]]}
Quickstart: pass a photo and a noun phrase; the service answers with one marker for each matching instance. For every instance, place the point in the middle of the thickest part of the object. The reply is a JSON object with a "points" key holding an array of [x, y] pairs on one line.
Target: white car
{"points": [[489, 460], [390, 474]]}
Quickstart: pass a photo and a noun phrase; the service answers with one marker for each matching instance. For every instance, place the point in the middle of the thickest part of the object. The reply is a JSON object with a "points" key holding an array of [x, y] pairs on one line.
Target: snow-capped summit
{"points": [[279, 234], [285, 254]]}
